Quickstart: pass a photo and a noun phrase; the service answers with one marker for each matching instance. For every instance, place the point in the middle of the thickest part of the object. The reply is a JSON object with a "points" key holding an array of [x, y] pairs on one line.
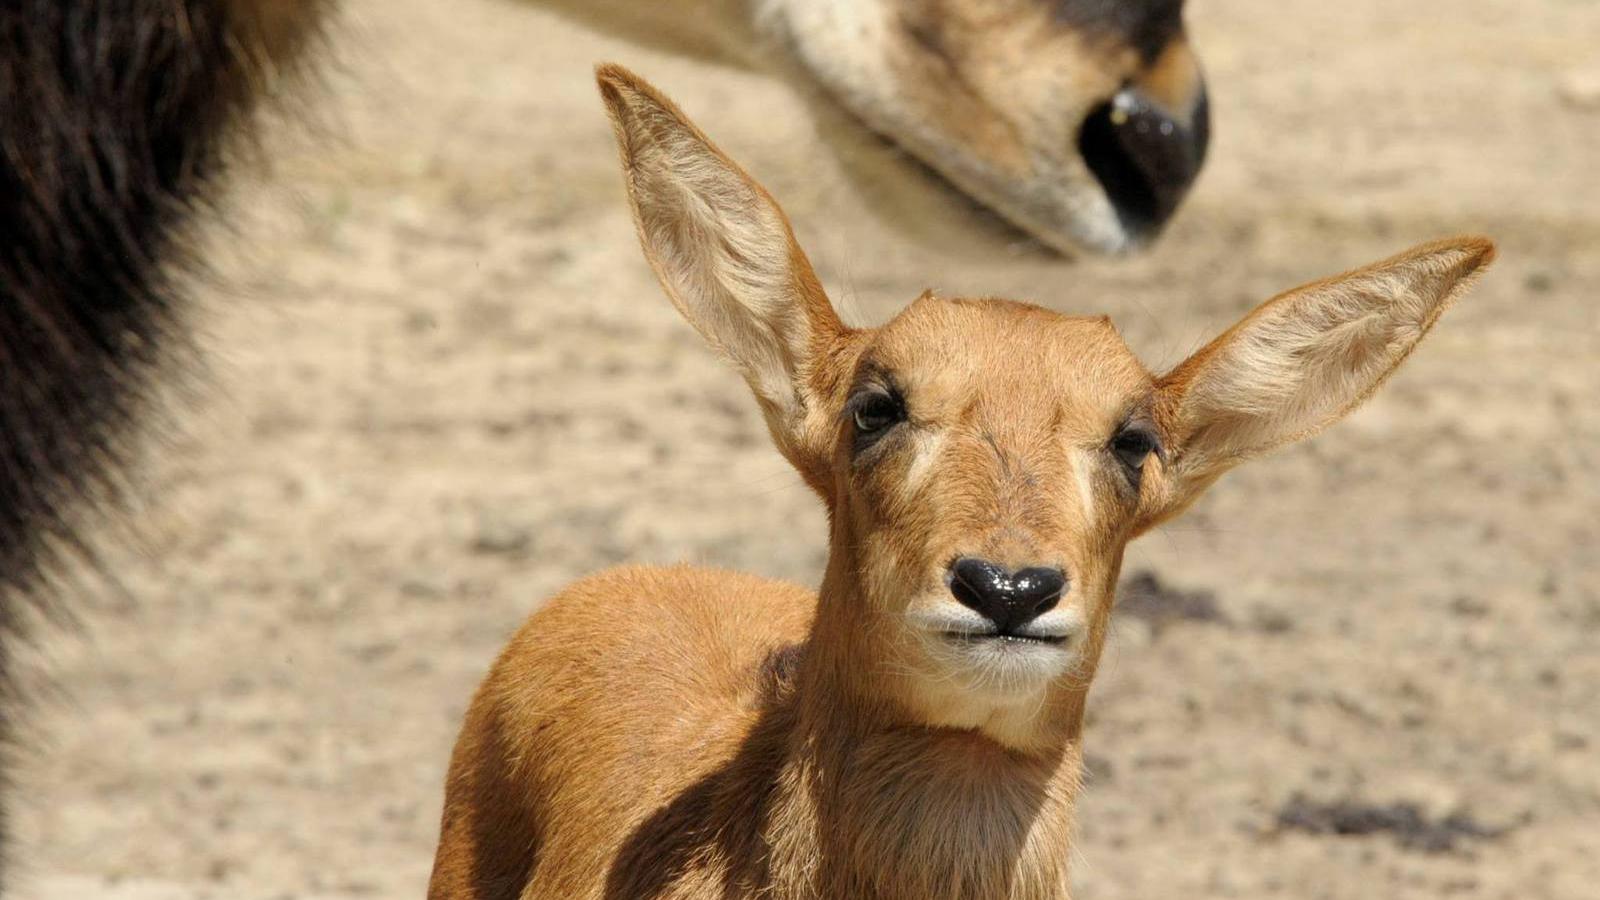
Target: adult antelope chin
{"points": [[914, 729], [1081, 122]]}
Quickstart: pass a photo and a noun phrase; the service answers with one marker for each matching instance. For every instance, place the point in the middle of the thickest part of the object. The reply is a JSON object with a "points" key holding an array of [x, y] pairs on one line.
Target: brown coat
{"points": [[687, 733]]}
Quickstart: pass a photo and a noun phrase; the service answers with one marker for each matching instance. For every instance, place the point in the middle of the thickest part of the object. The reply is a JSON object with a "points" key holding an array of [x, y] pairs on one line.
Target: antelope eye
{"points": [[877, 412], [1132, 446]]}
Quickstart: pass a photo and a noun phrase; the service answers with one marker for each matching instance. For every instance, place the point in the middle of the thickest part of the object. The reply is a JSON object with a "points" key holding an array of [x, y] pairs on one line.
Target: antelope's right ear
{"points": [[1303, 360], [728, 260]]}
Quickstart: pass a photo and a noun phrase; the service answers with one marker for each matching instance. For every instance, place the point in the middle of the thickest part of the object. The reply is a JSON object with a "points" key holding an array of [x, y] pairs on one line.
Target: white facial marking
{"points": [[928, 447], [1080, 474]]}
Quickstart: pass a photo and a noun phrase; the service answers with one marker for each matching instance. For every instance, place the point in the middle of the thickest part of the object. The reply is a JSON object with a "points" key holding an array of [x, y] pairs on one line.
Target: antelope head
{"points": [[985, 461], [1082, 123]]}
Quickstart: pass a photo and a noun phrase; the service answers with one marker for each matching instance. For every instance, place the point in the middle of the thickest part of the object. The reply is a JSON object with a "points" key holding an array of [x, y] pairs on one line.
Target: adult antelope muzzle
{"points": [[1081, 122]]}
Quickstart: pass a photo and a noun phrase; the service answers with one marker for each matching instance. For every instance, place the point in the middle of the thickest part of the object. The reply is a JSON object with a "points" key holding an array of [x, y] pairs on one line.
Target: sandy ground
{"points": [[442, 383]]}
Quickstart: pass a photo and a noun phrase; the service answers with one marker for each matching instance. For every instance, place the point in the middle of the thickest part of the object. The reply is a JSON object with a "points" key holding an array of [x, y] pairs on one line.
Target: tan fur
{"points": [[991, 94], [1173, 78], [687, 733]]}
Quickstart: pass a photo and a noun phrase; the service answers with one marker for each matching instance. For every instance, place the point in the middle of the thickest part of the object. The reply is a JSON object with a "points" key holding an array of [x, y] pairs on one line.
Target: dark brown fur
{"points": [[114, 118]]}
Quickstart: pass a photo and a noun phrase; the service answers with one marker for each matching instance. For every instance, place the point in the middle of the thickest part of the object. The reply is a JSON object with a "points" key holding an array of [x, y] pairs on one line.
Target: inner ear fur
{"points": [[1308, 357], [727, 258]]}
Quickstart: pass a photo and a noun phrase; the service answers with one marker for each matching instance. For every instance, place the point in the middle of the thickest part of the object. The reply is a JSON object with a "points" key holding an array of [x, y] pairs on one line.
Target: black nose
{"points": [[1008, 599], [1144, 156]]}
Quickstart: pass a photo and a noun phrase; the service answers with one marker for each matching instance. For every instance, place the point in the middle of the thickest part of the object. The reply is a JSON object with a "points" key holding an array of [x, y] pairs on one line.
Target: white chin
{"points": [[966, 664], [999, 690], [1006, 669]]}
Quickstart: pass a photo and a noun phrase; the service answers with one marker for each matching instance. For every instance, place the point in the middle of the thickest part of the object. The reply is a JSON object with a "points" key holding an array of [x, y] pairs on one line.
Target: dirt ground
{"points": [[441, 383]]}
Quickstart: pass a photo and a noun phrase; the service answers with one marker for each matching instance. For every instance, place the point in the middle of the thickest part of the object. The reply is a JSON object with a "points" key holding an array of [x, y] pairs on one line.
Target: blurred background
{"points": [[440, 382]]}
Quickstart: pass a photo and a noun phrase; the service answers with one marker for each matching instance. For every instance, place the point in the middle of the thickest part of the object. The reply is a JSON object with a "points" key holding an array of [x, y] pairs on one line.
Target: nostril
{"points": [[978, 584], [1039, 589]]}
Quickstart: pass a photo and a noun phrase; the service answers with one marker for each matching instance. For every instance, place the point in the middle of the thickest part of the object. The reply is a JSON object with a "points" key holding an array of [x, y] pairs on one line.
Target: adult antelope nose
{"points": [[1144, 155], [1008, 599], [1145, 145]]}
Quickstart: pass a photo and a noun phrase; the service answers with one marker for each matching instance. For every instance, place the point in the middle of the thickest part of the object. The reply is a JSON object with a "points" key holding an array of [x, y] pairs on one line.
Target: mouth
{"points": [[965, 653], [996, 638], [952, 625], [962, 643]]}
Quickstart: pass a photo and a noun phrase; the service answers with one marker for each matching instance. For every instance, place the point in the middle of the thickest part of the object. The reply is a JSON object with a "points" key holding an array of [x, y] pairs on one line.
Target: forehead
{"points": [[966, 351]]}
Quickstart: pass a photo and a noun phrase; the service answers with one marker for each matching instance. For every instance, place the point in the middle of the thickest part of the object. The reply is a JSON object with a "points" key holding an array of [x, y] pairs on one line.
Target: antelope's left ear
{"points": [[1303, 360]]}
